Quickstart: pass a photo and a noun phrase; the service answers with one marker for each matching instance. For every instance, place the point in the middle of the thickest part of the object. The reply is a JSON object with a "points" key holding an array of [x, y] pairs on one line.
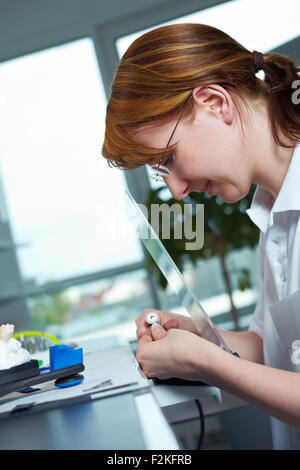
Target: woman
{"points": [[186, 100]]}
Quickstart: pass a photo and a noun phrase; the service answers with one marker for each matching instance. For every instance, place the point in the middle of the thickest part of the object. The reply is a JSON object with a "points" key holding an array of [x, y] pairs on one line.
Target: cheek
{"points": [[201, 140], [215, 141], [214, 150], [198, 156]]}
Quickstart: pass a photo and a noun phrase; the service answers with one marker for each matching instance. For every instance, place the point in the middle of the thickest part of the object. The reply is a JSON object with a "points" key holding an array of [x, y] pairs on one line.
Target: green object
{"points": [[226, 228], [35, 341], [36, 333]]}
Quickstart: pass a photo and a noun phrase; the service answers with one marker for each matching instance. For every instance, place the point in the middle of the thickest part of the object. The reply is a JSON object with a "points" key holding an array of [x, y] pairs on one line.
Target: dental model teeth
{"points": [[6, 332], [11, 352]]}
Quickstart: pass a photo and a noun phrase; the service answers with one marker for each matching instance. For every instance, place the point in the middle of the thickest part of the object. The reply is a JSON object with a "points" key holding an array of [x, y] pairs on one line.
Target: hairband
{"points": [[258, 61]]}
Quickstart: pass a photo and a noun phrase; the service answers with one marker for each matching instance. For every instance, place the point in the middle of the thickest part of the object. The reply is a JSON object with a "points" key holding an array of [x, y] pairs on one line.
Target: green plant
{"points": [[48, 309], [226, 228]]}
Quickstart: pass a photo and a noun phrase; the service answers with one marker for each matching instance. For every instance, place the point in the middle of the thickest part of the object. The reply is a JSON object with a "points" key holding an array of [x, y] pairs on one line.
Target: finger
{"points": [[141, 319], [145, 339], [141, 349], [172, 323], [142, 372], [157, 331], [143, 330], [142, 326]]}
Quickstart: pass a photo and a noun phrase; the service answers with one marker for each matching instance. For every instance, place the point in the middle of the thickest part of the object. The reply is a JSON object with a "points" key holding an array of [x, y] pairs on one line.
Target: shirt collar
{"points": [[262, 207]]}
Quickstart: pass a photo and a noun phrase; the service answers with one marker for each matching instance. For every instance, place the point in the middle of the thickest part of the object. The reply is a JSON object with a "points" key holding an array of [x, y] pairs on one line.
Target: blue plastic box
{"points": [[62, 356]]}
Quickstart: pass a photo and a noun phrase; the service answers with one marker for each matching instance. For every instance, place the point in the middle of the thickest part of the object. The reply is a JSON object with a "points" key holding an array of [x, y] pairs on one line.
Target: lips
{"points": [[204, 187], [209, 189]]}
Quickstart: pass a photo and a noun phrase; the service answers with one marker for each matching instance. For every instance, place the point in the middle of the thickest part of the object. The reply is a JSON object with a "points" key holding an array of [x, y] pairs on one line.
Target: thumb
{"points": [[172, 323], [157, 331]]}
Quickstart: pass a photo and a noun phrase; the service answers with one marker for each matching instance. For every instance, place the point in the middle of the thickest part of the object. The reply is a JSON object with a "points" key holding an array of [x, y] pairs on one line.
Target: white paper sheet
{"points": [[106, 370]]}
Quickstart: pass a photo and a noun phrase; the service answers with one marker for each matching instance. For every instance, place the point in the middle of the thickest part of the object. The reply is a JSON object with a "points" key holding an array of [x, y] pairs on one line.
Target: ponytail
{"points": [[280, 74]]}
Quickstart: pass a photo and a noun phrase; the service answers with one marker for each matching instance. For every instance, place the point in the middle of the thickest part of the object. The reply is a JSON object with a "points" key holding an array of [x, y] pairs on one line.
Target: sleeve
{"points": [[257, 320]]}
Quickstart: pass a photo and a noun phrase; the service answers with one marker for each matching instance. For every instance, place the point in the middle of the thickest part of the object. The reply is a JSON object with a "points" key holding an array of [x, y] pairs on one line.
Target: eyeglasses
{"points": [[160, 171]]}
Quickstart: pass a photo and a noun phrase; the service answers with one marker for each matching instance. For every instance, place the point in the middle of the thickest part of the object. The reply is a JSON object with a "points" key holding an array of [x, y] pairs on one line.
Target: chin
{"points": [[232, 196]]}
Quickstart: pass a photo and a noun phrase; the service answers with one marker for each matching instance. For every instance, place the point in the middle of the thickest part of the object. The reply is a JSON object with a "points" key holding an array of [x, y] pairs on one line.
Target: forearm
{"points": [[274, 391], [247, 344]]}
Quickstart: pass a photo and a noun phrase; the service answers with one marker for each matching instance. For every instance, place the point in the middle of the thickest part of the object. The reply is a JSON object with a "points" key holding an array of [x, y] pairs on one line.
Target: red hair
{"points": [[158, 72]]}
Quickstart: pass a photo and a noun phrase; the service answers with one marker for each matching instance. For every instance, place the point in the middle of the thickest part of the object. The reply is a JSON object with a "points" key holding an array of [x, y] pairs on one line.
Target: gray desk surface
{"points": [[107, 423], [111, 422]]}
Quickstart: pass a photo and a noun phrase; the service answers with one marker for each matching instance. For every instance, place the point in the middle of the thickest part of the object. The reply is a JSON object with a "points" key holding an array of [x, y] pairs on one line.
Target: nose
{"points": [[179, 187]]}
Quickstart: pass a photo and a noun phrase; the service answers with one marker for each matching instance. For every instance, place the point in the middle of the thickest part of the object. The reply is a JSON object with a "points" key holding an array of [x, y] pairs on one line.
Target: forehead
{"points": [[153, 135]]}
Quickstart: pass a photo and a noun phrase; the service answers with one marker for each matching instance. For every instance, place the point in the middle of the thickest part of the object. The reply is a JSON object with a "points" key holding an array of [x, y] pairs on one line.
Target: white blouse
{"points": [[277, 315]]}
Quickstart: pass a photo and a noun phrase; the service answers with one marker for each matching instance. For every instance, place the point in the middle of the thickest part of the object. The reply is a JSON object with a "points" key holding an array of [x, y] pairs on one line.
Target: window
{"points": [[106, 306], [240, 18], [63, 199], [65, 205]]}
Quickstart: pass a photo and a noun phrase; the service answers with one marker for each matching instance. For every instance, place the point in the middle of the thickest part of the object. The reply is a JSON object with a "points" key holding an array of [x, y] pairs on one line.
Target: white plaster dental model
{"points": [[11, 352]]}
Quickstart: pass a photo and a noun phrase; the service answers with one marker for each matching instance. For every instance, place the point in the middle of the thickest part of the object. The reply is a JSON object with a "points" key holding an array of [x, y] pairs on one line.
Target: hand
{"points": [[175, 353], [167, 320]]}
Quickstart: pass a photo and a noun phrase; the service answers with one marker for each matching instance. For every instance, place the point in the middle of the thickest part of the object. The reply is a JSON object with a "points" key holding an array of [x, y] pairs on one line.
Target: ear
{"points": [[216, 100]]}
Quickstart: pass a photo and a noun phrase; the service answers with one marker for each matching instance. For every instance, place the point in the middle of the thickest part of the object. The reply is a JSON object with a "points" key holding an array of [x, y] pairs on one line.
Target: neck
{"points": [[271, 161]]}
